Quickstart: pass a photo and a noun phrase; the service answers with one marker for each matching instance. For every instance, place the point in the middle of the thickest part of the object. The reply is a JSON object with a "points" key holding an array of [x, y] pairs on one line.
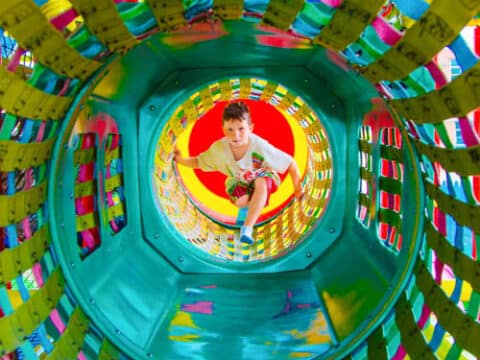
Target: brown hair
{"points": [[237, 110]]}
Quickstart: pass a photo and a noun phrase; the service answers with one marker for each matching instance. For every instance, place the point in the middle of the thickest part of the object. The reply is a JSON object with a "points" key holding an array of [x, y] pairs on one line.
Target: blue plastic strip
{"points": [[43, 338], [5, 304], [412, 8], [12, 240], [463, 54], [11, 183], [24, 294], [26, 131], [437, 337], [28, 351]]}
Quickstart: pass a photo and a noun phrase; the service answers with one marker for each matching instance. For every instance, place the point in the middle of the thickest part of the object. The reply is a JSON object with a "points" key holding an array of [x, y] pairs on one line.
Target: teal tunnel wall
{"points": [[117, 280]]}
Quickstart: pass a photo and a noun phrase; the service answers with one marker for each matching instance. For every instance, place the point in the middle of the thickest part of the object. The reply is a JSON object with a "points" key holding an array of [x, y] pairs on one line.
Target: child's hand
{"points": [[176, 154]]}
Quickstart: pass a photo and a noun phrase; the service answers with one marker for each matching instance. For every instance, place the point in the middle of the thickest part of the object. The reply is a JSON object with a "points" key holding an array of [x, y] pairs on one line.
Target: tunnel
{"points": [[109, 249]]}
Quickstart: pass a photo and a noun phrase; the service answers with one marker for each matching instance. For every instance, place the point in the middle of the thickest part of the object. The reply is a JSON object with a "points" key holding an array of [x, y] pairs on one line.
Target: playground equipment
{"points": [[108, 250]]}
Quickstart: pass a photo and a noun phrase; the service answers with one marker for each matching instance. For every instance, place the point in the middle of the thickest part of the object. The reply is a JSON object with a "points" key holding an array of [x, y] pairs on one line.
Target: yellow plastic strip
{"points": [[437, 28], [463, 328], [15, 327], [112, 154], [115, 211], [457, 98], [103, 20], [31, 29], [85, 222], [245, 88], [84, 156], [348, 22], [21, 99], [268, 91], [410, 334], [85, 188], [464, 161], [113, 182], [16, 207], [377, 348], [22, 257], [168, 13], [207, 99], [225, 90], [14, 155], [287, 100], [70, 343], [464, 267], [281, 13], [228, 9], [463, 213]]}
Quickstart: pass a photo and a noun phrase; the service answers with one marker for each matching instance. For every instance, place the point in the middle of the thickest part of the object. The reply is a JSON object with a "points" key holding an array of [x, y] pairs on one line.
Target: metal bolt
{"points": [[309, 254], [334, 105], [156, 236], [152, 108], [72, 265], [332, 230], [180, 259], [92, 301], [117, 332], [70, 195]]}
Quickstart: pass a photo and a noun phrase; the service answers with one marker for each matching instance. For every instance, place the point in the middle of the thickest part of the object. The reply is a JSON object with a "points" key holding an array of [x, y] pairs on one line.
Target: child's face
{"points": [[237, 131]]}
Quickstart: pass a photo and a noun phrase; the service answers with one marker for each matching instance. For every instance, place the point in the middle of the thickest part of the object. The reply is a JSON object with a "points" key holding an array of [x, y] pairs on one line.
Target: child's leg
{"points": [[257, 203]]}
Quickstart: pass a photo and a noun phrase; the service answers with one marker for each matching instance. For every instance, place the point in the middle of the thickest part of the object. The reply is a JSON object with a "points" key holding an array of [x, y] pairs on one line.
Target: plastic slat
{"points": [[437, 28], [14, 155], [16, 207], [115, 211], [377, 345], [113, 182], [169, 14], [28, 316], [108, 351], [463, 213], [463, 266], [390, 185], [458, 98], [391, 153], [268, 91], [412, 339], [84, 156], [450, 317], [85, 188], [111, 155], [103, 20], [85, 222], [70, 343], [465, 161], [17, 260], [348, 22], [228, 9], [21, 99], [31, 29], [282, 13]]}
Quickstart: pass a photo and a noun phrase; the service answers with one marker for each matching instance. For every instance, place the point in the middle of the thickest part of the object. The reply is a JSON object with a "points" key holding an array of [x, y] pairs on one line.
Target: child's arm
{"points": [[297, 181], [191, 162]]}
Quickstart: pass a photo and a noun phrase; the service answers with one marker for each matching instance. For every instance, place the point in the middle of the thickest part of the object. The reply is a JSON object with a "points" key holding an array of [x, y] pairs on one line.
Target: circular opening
{"points": [[195, 202]]}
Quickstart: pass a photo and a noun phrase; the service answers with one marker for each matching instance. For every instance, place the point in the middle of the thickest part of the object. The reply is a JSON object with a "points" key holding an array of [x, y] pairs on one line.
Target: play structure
{"points": [[110, 250]]}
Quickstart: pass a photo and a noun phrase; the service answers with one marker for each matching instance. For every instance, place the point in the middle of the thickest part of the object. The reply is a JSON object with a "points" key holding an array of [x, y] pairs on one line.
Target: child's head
{"points": [[237, 124]]}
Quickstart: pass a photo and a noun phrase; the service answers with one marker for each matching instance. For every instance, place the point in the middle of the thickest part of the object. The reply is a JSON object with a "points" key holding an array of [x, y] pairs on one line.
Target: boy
{"points": [[250, 163]]}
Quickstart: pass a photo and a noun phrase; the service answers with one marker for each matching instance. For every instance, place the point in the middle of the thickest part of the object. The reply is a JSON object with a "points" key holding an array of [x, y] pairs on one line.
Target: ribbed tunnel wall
{"points": [[63, 46]]}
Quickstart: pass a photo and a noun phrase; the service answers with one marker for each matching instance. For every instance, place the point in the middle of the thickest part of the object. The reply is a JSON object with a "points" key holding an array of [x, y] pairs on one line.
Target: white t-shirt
{"points": [[260, 155]]}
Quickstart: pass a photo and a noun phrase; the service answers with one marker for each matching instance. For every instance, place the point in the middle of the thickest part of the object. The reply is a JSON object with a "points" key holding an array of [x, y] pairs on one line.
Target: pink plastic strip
{"points": [[385, 31], [62, 20], [81, 356], [57, 321], [437, 74], [468, 135], [400, 354], [26, 228], [41, 132], [332, 3], [37, 273]]}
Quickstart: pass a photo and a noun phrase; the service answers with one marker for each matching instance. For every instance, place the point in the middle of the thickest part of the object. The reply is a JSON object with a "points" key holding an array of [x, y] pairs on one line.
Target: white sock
{"points": [[246, 230]]}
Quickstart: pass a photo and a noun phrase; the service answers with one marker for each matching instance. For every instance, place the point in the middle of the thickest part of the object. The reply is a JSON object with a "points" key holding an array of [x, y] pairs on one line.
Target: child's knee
{"points": [[261, 183], [242, 201]]}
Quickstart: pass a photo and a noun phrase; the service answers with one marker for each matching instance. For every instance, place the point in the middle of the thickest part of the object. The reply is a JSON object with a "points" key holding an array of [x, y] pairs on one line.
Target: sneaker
{"points": [[246, 239]]}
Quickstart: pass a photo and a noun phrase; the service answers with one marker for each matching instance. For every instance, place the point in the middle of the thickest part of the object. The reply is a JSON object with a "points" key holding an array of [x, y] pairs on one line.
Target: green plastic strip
{"points": [[103, 20], [348, 22], [108, 351], [16, 207], [366, 146], [112, 154], [70, 343], [457, 98], [463, 213], [437, 28], [228, 9], [463, 266], [21, 99], [377, 345], [412, 338], [16, 260], [390, 185], [168, 13], [14, 155], [452, 319], [464, 161], [31, 29], [28, 316], [390, 217], [281, 13], [391, 153], [84, 156]]}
